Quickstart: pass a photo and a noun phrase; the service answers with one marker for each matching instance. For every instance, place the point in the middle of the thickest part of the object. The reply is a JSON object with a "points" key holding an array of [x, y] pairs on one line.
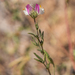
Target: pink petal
{"points": [[29, 8], [37, 8]]}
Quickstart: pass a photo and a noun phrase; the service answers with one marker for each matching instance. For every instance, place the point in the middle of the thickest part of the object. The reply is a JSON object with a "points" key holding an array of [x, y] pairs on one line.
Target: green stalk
{"points": [[41, 48]]}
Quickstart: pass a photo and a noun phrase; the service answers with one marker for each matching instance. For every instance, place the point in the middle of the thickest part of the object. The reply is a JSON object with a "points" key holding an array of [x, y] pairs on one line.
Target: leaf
{"points": [[51, 61], [49, 58], [40, 51], [33, 34], [38, 60], [42, 35], [46, 54], [38, 57], [35, 43], [40, 32]]}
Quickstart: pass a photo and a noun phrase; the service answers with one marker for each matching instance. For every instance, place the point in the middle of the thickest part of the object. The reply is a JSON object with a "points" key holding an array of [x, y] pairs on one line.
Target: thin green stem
{"points": [[42, 48], [38, 37], [48, 70], [34, 21]]}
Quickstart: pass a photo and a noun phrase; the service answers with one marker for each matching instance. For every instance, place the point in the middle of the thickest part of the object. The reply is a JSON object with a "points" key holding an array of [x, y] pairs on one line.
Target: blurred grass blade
{"points": [[15, 62], [24, 61]]}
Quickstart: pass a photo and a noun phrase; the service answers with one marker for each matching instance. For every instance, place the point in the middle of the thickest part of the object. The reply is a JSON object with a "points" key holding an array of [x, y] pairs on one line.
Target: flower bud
{"points": [[33, 14]]}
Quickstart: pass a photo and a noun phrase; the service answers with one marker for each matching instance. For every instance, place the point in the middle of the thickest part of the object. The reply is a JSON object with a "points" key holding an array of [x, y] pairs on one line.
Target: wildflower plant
{"points": [[34, 12]]}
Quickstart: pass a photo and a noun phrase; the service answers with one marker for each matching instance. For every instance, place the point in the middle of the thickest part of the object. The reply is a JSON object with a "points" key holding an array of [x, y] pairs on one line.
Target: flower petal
{"points": [[37, 8], [29, 8], [41, 11], [25, 11]]}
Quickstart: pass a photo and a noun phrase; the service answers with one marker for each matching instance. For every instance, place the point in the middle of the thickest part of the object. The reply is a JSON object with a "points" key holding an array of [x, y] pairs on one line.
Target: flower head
{"points": [[33, 12]]}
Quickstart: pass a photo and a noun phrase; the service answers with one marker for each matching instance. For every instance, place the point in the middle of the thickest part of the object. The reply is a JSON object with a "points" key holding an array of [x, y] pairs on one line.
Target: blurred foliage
{"points": [[12, 43], [15, 15], [20, 62], [14, 11], [61, 69]]}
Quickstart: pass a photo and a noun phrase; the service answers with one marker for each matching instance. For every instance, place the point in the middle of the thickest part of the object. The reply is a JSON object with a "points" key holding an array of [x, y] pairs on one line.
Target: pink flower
{"points": [[37, 8], [29, 10]]}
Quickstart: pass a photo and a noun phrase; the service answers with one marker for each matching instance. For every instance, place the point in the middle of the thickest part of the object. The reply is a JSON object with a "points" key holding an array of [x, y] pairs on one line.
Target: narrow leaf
{"points": [[49, 58], [40, 32], [40, 51], [42, 35], [46, 53], [33, 34], [38, 60], [51, 61], [38, 57], [34, 42]]}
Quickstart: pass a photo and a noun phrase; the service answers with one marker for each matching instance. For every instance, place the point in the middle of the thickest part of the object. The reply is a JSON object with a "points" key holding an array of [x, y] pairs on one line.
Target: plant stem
{"points": [[42, 48], [48, 70], [34, 21], [38, 37]]}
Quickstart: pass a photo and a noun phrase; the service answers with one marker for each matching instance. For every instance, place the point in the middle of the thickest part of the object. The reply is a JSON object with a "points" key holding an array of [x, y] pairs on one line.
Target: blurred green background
{"points": [[16, 49]]}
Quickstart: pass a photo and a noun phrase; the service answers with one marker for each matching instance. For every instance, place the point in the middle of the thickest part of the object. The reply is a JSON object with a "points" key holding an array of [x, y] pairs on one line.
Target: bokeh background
{"points": [[16, 49]]}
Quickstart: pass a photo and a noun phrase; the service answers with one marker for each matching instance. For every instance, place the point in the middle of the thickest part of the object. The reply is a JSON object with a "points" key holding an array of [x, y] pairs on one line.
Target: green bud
{"points": [[34, 14]]}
